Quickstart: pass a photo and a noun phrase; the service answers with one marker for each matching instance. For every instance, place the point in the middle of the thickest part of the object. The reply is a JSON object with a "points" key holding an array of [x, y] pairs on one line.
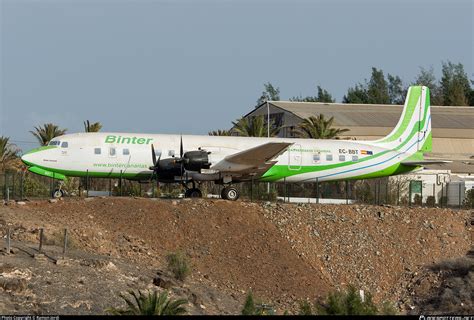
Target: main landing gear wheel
{"points": [[57, 193], [193, 193], [230, 193]]}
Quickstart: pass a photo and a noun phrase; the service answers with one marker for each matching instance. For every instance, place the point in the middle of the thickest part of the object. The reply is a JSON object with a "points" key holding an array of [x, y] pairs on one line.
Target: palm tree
{"points": [[150, 304], [254, 127], [8, 153], [47, 132], [318, 128], [219, 132], [94, 127]]}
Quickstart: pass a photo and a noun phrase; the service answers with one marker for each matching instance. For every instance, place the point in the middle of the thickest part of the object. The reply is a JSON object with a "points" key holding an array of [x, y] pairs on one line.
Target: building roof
{"points": [[374, 115]]}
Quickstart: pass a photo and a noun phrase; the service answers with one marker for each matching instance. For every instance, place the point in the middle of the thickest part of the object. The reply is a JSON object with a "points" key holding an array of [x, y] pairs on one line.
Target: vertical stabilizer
{"points": [[413, 131]]}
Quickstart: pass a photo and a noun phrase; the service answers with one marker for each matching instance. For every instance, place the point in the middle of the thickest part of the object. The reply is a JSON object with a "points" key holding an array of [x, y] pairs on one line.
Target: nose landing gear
{"points": [[58, 192]]}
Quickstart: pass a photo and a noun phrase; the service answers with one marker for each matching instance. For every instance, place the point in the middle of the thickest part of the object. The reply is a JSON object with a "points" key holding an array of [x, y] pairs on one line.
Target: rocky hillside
{"points": [[283, 253]]}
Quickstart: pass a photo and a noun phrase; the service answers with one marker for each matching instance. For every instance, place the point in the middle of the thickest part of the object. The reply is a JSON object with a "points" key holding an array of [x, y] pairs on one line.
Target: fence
{"points": [[391, 191]]}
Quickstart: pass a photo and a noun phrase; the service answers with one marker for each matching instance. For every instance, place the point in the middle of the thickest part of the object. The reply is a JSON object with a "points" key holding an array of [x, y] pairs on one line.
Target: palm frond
{"points": [[150, 303], [318, 128]]}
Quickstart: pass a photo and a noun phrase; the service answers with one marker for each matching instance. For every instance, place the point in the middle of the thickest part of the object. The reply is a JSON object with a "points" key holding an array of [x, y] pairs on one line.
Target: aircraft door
{"points": [[295, 157]]}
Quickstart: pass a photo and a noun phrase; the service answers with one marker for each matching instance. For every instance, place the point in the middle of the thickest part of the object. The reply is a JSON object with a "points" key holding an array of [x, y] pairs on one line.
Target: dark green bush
{"points": [[417, 199], [251, 308], [469, 199], [178, 264], [430, 201], [347, 302]]}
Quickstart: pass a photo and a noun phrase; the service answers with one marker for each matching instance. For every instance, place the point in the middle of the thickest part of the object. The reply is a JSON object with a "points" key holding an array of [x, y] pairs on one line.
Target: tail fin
{"points": [[412, 133]]}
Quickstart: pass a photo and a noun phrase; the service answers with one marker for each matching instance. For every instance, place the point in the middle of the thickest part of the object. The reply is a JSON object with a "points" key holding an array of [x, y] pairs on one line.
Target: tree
{"points": [[322, 96], [94, 127], [150, 304], [427, 78], [396, 92], [318, 128], [47, 132], [471, 97], [455, 85], [269, 94], [358, 94], [254, 127], [219, 132], [377, 89], [8, 153]]}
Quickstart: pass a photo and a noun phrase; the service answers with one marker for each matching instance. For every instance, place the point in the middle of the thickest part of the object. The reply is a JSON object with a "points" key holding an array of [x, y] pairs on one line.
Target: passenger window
{"points": [[342, 157], [64, 144], [329, 157], [97, 151], [316, 157], [112, 152], [355, 158], [171, 153], [126, 152]]}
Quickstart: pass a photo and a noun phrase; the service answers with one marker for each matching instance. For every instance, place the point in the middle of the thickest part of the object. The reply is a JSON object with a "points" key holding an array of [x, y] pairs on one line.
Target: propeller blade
{"points": [[153, 154], [181, 152]]}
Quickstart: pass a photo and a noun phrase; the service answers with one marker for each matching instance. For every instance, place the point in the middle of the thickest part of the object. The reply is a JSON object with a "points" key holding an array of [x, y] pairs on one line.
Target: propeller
{"points": [[156, 162], [181, 160]]}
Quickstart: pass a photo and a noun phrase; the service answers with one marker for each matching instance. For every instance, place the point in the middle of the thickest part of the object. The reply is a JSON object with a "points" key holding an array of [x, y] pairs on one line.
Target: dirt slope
{"points": [[283, 253]]}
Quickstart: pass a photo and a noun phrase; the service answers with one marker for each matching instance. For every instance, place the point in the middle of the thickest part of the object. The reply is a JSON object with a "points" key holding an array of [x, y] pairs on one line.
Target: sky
{"points": [[193, 66]]}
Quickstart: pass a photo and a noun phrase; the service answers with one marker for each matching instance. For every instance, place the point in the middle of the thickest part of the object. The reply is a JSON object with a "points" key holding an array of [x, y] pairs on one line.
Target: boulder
{"points": [[163, 281]]}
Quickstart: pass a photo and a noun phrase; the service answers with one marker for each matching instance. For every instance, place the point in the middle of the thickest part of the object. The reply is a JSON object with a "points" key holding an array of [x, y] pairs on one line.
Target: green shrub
{"points": [[430, 201], [348, 302], [469, 199], [417, 199], [150, 304], [362, 192], [251, 308], [178, 264], [34, 188], [305, 308]]}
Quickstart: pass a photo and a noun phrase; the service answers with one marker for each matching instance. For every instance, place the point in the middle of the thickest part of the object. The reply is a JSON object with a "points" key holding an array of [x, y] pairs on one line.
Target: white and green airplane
{"points": [[227, 159]]}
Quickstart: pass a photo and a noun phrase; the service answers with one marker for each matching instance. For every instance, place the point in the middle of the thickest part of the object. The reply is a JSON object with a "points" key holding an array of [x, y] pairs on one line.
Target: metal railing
{"points": [[383, 191]]}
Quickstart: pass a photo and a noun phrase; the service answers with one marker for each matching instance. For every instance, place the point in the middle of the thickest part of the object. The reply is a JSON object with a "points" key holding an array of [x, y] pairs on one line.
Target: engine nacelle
{"points": [[196, 160]]}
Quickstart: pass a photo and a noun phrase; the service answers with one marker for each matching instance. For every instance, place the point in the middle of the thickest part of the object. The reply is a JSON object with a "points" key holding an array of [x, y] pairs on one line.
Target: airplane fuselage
{"points": [[128, 155]]}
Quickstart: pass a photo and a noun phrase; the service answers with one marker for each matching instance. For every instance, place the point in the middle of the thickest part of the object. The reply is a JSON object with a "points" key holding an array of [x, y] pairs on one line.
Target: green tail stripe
{"points": [[414, 96]]}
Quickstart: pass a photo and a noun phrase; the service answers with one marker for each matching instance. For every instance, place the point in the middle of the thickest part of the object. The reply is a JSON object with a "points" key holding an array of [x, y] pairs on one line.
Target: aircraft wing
{"points": [[251, 162], [424, 162]]}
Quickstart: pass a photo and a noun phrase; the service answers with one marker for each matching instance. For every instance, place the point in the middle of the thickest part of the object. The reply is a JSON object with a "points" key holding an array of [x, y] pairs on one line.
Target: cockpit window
{"points": [[54, 143], [64, 144]]}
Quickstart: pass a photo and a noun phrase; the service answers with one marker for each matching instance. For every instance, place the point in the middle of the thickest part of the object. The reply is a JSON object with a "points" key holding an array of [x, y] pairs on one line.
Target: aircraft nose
{"points": [[26, 158]]}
